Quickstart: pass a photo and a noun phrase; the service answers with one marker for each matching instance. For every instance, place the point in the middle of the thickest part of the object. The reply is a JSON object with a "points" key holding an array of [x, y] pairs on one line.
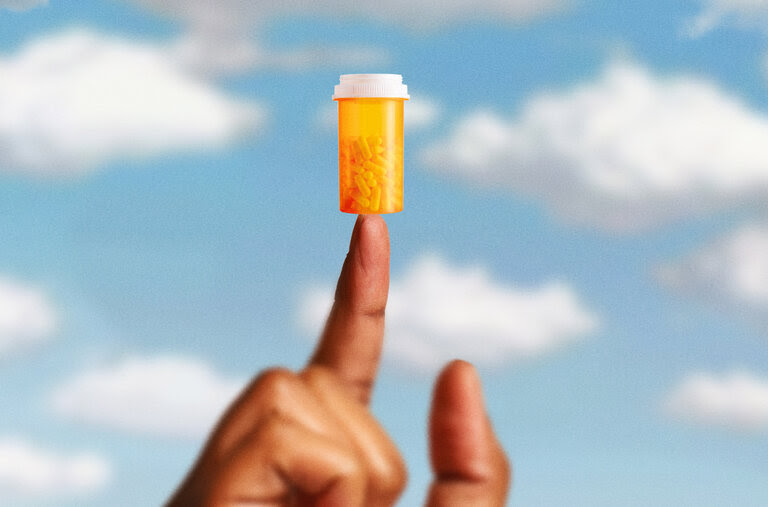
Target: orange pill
{"points": [[362, 186], [375, 199]]}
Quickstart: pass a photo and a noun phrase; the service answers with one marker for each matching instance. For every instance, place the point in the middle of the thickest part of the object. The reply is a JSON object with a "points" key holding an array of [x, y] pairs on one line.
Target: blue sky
{"points": [[594, 173]]}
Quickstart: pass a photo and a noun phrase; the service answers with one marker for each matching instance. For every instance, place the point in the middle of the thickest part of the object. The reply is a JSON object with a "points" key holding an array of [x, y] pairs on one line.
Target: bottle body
{"points": [[370, 155]]}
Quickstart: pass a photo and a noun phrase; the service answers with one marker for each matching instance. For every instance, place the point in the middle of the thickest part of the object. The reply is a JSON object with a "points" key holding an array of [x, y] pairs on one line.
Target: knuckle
{"points": [[390, 477], [315, 372], [269, 390], [274, 425], [362, 389], [350, 466], [267, 396], [272, 433], [375, 311], [274, 382], [320, 376]]}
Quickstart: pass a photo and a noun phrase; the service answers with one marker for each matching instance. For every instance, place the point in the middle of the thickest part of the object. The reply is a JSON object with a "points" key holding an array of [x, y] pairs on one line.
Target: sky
{"points": [[585, 220]]}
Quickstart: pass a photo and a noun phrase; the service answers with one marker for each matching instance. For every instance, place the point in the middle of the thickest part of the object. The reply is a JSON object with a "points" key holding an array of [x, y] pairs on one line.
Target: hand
{"points": [[307, 438]]}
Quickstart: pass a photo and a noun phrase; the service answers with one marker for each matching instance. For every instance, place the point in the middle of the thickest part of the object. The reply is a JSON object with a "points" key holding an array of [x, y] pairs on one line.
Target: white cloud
{"points": [[732, 271], [21, 5], [30, 471], [27, 317], [165, 396], [418, 113], [626, 152], [76, 100], [227, 16], [437, 312], [206, 54], [741, 12], [737, 400], [221, 35]]}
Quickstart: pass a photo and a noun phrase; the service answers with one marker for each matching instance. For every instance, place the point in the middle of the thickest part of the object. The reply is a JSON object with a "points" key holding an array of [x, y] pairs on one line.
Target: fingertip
{"points": [[466, 456], [460, 381], [457, 392], [372, 256], [372, 221], [459, 367], [457, 400], [373, 239], [459, 432], [366, 268]]}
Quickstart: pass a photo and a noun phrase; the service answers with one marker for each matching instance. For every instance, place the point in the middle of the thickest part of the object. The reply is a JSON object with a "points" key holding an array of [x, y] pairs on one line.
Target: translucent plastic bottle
{"points": [[371, 142]]}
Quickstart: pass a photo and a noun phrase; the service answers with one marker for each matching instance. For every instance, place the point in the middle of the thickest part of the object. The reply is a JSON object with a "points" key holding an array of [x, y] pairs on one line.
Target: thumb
{"points": [[469, 464]]}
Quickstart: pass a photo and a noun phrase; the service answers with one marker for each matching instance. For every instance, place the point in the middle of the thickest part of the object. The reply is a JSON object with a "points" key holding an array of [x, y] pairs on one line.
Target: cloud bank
{"points": [[33, 472], [162, 396], [74, 101], [745, 13], [736, 401], [626, 152], [27, 317], [220, 54], [731, 272], [222, 36], [21, 5], [233, 15], [437, 312]]}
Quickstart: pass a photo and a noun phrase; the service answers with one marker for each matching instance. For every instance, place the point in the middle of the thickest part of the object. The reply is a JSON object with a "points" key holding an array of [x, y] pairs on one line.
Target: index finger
{"points": [[353, 336]]}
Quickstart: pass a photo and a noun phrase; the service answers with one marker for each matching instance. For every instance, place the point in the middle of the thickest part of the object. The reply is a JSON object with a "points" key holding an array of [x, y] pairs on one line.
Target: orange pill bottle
{"points": [[371, 142]]}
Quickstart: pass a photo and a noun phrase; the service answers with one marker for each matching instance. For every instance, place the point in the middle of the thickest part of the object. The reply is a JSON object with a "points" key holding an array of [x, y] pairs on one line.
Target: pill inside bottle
{"points": [[371, 142]]}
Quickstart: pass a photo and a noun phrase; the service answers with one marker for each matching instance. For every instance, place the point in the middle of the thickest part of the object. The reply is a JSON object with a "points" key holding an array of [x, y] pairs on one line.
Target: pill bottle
{"points": [[370, 142]]}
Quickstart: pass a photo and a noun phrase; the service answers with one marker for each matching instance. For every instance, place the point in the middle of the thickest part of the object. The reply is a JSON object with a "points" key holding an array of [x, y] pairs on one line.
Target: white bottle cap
{"points": [[371, 86]]}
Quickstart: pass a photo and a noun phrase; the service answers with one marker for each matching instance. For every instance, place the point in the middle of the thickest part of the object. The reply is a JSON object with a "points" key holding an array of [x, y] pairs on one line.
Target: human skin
{"points": [[308, 437]]}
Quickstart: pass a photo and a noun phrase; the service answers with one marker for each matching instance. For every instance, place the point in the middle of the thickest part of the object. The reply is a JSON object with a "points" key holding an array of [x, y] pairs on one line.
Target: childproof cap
{"points": [[370, 85]]}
